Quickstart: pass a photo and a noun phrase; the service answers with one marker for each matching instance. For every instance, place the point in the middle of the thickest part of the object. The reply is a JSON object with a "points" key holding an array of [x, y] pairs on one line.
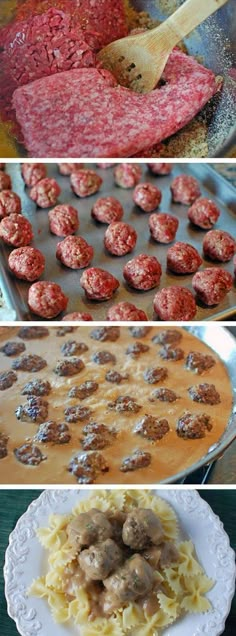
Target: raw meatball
{"points": [[120, 238], [74, 252], [205, 393], [77, 315], [72, 347], [12, 348], [32, 333], [104, 165], [167, 336], [63, 220], [147, 196], [87, 466], [124, 403], [7, 379], [212, 284], [174, 303], [46, 299], [103, 357], [85, 182], [199, 362], [134, 350], [52, 432], [67, 168], [100, 560], [3, 442], [127, 175], [160, 168], [35, 410], [10, 203], [185, 189], [219, 246], [45, 192], [164, 395], [204, 213], [83, 390], [152, 428], [155, 374], [143, 272], [5, 181], [29, 454], [32, 173], [163, 227], [69, 367], [105, 334], [26, 263], [89, 527], [171, 353], [107, 210], [141, 528], [98, 284], [138, 459], [29, 362], [37, 387], [193, 425], [183, 258], [16, 230], [125, 311]]}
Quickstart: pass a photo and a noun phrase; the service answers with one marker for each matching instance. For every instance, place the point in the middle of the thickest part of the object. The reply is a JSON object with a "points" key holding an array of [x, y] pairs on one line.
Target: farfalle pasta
{"points": [[117, 566]]}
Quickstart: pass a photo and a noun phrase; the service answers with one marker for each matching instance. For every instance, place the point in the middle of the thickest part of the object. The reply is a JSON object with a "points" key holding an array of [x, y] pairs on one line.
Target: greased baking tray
{"points": [[212, 185]]}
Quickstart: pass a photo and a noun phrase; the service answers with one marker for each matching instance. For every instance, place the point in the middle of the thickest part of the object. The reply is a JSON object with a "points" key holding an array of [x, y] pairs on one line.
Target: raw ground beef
{"points": [[204, 213], [16, 230], [32, 173], [5, 181], [77, 315], [45, 192], [85, 182], [10, 203], [219, 246], [98, 284], [46, 299], [161, 169], [118, 122], [143, 272], [63, 220], [174, 303], [185, 189], [183, 258], [120, 238], [163, 227], [26, 263], [147, 197], [212, 284], [107, 210], [127, 175], [67, 168], [74, 252], [125, 311]]}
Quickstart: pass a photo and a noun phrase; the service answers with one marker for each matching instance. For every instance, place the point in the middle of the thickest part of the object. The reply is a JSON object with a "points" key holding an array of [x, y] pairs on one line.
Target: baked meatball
{"points": [[163, 227], [138, 459], [45, 192], [29, 454], [69, 367], [125, 311], [35, 410], [219, 246], [147, 197], [46, 299], [127, 175], [10, 203], [174, 303], [153, 428], [161, 169], [77, 315], [183, 258], [107, 210], [98, 284], [32, 173], [5, 181], [205, 393], [143, 272], [167, 336], [199, 362], [204, 213], [63, 220], [185, 189], [120, 238], [53, 432], [212, 284], [67, 168], [16, 230], [74, 252], [26, 263], [85, 182], [193, 425]]}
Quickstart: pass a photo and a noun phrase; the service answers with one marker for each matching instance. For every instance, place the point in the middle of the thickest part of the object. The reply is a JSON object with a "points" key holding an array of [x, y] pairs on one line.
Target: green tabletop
{"points": [[13, 504]]}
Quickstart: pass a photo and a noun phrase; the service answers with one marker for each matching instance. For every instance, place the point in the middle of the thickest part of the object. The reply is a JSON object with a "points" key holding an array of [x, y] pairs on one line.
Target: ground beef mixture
{"points": [[152, 428], [193, 425], [32, 173], [35, 410], [87, 466], [98, 284], [161, 169], [138, 459], [26, 263], [103, 357], [12, 348], [77, 315], [155, 374], [110, 334], [3, 445], [69, 367], [85, 182], [74, 252], [46, 299], [10, 203], [127, 175], [33, 333], [37, 387], [143, 272], [164, 395], [185, 189], [147, 197], [124, 403], [115, 377], [120, 238], [167, 336], [205, 393], [45, 193], [204, 213], [16, 230], [174, 303], [163, 227], [5, 181], [171, 353], [29, 362], [183, 258], [139, 332], [134, 350], [7, 379], [199, 362], [67, 168], [125, 311], [29, 454], [84, 390], [75, 414], [107, 210], [53, 432], [72, 348], [219, 246], [212, 284], [63, 220]]}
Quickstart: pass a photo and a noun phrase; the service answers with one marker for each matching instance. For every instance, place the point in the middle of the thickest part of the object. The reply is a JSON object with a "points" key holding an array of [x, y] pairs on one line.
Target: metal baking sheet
{"points": [[212, 185]]}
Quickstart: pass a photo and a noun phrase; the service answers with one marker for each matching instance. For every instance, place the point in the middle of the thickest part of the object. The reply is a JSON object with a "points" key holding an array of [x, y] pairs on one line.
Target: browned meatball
{"points": [[199, 362], [3, 445], [163, 227], [138, 459], [76, 414], [212, 284], [107, 209], [141, 528], [69, 367], [147, 196], [193, 425], [63, 220], [32, 173], [132, 580], [87, 466], [125, 311], [16, 230], [46, 299], [164, 395], [85, 182], [29, 362], [120, 238], [26, 263], [29, 454], [7, 379], [204, 213], [10, 203], [12, 348], [139, 332], [171, 353], [83, 390], [37, 387], [183, 258], [45, 192], [167, 336], [205, 393], [134, 350], [185, 189], [32, 333], [35, 410], [98, 284], [104, 334], [103, 357], [89, 528], [161, 169], [99, 560], [155, 374], [219, 246], [53, 432], [115, 377], [74, 252], [174, 303], [152, 428], [5, 181], [72, 348], [97, 440], [143, 272], [127, 175], [124, 403]]}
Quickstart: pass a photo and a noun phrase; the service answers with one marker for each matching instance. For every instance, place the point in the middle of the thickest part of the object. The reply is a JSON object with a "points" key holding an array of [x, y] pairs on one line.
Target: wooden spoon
{"points": [[138, 61]]}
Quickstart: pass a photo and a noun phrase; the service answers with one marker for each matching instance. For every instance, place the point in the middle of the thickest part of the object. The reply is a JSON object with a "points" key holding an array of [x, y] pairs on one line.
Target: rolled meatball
{"points": [[212, 284], [10, 203], [143, 272], [204, 213], [67, 168], [127, 175], [77, 315], [107, 210], [5, 181], [183, 258], [219, 246], [32, 173], [174, 303], [163, 227], [16, 230], [104, 165], [120, 238], [74, 252], [46, 299], [63, 220], [98, 284], [26, 263], [185, 189], [125, 311], [85, 182], [147, 196], [45, 192], [161, 169]]}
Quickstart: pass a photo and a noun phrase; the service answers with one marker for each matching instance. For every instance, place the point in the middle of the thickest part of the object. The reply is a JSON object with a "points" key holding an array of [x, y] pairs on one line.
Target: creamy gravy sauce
{"points": [[169, 455]]}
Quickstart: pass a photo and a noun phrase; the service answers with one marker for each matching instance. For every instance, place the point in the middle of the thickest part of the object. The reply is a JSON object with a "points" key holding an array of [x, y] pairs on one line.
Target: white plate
{"points": [[25, 560]]}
